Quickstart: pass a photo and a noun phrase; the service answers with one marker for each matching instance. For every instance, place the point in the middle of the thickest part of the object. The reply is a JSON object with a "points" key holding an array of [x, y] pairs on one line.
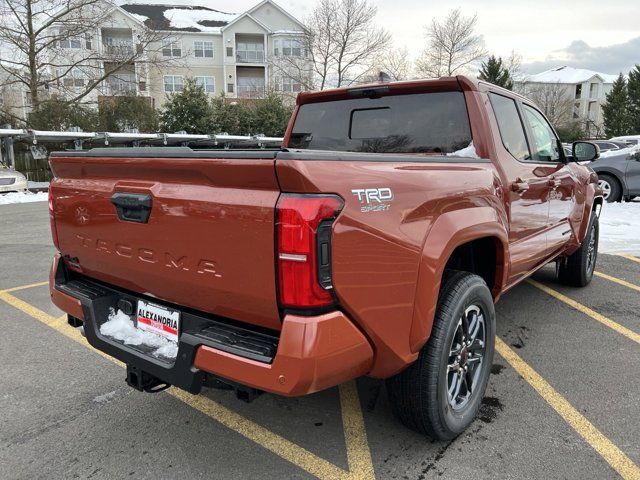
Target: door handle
{"points": [[554, 182], [132, 207], [520, 186]]}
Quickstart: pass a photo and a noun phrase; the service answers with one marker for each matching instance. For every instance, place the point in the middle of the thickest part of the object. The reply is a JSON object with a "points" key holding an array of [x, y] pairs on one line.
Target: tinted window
{"points": [[546, 147], [419, 123], [510, 126]]}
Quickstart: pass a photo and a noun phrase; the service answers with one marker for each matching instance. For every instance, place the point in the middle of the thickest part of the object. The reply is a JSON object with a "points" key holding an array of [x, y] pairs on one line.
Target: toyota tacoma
{"points": [[374, 242]]}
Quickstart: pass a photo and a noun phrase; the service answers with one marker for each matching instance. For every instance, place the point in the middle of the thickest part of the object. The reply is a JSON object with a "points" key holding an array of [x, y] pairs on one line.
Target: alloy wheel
{"points": [[466, 357]]}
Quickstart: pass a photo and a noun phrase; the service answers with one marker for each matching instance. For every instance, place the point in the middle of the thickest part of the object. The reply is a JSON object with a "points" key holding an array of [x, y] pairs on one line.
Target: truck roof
{"points": [[442, 84]]}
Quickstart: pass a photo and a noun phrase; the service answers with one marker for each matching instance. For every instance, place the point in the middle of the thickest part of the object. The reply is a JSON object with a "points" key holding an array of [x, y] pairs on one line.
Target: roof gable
{"points": [[182, 18]]}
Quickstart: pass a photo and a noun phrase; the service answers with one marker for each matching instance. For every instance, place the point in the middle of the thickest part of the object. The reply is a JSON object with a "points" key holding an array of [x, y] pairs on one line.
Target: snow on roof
{"points": [[203, 19], [186, 18], [568, 75]]}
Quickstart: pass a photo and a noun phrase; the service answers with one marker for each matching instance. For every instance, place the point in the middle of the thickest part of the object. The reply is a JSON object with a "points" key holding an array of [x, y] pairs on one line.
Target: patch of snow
{"points": [[568, 75], [106, 397], [468, 151], [190, 18], [120, 327], [38, 184], [620, 228], [139, 17], [22, 197]]}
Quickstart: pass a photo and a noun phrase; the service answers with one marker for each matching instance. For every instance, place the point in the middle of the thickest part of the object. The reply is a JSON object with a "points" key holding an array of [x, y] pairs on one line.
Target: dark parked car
{"points": [[619, 174], [608, 145]]}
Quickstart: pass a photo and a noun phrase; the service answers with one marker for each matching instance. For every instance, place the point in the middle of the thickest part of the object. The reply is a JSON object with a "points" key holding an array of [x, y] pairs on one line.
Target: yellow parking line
{"points": [[630, 334], [619, 281], [24, 287], [631, 257], [601, 444], [358, 453]]}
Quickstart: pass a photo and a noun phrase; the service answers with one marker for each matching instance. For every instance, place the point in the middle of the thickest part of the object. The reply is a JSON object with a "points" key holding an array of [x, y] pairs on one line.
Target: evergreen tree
{"points": [[188, 110], [127, 112], [59, 115], [633, 90], [615, 111], [271, 115], [493, 71]]}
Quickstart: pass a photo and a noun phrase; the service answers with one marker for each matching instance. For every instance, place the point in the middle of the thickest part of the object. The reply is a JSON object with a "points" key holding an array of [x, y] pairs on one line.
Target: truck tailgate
{"points": [[208, 242]]}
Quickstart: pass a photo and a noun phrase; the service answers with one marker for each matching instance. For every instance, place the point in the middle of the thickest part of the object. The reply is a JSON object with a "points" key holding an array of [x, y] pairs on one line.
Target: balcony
{"points": [[250, 56], [251, 91]]}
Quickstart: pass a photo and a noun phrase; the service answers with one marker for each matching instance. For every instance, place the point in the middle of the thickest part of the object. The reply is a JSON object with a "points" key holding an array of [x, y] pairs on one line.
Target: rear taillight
{"points": [[304, 249], [52, 219]]}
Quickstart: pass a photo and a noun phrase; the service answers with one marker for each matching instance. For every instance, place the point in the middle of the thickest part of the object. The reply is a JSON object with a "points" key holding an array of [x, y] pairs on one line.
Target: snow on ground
{"points": [[31, 184], [22, 197], [620, 228], [120, 327]]}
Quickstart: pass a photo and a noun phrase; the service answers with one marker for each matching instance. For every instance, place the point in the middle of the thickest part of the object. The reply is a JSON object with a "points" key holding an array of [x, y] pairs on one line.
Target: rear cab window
{"points": [[426, 123]]}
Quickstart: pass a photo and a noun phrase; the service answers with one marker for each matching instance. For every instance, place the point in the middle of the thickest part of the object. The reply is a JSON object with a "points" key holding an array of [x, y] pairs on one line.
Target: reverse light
{"points": [[52, 219], [303, 229]]}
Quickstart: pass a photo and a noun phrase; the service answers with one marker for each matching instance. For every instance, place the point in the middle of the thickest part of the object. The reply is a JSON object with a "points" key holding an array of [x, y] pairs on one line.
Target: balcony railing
{"points": [[251, 91], [250, 56], [118, 49]]}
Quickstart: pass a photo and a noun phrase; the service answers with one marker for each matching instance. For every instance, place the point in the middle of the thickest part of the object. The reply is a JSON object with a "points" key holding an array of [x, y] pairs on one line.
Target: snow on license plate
{"points": [[159, 320]]}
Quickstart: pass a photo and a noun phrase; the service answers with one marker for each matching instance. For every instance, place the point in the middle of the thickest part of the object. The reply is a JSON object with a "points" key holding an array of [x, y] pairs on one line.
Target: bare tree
{"points": [[452, 46], [394, 64], [54, 48], [554, 100], [341, 43]]}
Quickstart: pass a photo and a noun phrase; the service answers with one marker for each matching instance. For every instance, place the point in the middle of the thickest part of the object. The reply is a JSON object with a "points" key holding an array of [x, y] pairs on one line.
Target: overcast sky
{"points": [[595, 34]]}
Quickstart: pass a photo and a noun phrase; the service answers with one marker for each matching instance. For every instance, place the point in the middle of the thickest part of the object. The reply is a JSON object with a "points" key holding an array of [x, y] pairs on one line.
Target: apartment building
{"points": [[236, 54], [584, 91]]}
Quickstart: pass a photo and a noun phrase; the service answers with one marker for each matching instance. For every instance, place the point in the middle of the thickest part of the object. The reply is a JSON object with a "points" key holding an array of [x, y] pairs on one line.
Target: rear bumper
{"points": [[313, 353]]}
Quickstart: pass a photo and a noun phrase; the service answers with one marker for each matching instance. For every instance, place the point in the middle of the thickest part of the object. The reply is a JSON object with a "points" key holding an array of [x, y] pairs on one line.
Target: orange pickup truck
{"points": [[374, 242]]}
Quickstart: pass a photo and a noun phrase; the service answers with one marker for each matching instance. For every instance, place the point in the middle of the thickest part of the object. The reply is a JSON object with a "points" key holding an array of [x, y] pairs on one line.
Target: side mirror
{"points": [[585, 151]]}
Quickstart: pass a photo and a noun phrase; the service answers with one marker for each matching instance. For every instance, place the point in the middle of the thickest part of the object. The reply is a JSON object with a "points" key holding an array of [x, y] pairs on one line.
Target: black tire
{"points": [[577, 269], [419, 394], [611, 187]]}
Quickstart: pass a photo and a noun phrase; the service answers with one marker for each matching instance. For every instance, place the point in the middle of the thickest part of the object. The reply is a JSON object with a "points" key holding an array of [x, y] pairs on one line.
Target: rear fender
{"points": [[449, 231]]}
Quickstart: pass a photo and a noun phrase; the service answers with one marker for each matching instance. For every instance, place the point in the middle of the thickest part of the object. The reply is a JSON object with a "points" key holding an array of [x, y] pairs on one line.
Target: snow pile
{"points": [[120, 327], [31, 184], [468, 151], [22, 197], [139, 17], [620, 228], [191, 18]]}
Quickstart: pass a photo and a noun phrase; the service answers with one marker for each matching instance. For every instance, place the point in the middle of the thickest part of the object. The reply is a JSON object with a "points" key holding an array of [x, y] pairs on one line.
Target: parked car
{"points": [[608, 145], [618, 173], [11, 180], [630, 140], [374, 243]]}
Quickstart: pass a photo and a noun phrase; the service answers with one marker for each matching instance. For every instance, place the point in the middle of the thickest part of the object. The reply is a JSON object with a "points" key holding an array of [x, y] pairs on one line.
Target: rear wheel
{"points": [[611, 189], [577, 269], [440, 394]]}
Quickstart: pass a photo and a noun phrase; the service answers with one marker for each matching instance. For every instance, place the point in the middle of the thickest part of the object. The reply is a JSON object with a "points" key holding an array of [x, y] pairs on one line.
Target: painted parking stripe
{"points": [[24, 287], [619, 281], [358, 452], [600, 443], [631, 257], [630, 334]]}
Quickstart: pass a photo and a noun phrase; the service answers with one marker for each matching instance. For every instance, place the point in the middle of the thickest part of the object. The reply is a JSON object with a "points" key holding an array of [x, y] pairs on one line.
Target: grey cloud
{"points": [[611, 59]]}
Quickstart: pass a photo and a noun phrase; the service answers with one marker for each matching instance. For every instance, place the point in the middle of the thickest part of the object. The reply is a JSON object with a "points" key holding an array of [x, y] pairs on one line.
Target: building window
{"points": [[173, 83], [593, 90], [203, 49], [578, 91], [287, 84], [250, 52], [229, 51], [71, 78], [288, 47], [229, 87], [70, 42], [207, 83], [171, 48]]}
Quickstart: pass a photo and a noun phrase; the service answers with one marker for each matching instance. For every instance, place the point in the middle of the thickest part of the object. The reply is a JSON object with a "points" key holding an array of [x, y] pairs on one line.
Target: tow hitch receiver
{"points": [[143, 381]]}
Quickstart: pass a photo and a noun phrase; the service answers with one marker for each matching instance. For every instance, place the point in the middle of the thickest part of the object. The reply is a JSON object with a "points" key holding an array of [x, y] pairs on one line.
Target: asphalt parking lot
{"points": [[563, 400]]}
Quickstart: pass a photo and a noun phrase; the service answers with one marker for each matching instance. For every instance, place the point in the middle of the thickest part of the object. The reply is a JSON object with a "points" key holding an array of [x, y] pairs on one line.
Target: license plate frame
{"points": [[158, 319]]}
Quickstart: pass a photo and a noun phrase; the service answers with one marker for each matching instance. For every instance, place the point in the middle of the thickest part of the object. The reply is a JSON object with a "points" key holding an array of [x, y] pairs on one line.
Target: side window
{"points": [[545, 143], [510, 125]]}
